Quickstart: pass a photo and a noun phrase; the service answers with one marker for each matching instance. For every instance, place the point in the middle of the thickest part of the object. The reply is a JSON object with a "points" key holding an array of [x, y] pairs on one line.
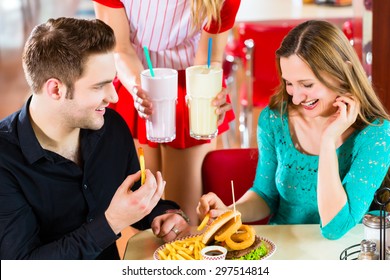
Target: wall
{"points": [[381, 50], [17, 18]]}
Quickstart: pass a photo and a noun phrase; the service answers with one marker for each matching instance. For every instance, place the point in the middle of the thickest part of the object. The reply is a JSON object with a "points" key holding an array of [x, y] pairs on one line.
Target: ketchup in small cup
{"points": [[213, 253]]}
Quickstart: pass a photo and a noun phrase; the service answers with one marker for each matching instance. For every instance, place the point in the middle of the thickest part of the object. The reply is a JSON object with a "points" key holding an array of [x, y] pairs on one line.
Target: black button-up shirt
{"points": [[51, 208]]}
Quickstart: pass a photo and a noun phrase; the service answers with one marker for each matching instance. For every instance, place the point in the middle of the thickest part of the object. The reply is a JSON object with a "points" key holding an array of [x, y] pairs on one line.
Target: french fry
{"points": [[197, 250], [185, 249], [179, 257], [185, 255], [142, 164], [204, 222], [171, 249], [181, 248], [162, 255]]}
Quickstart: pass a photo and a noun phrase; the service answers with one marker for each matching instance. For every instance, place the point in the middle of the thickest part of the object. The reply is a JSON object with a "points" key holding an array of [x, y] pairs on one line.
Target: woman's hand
{"points": [[221, 104], [212, 204], [344, 118], [170, 226], [141, 102]]}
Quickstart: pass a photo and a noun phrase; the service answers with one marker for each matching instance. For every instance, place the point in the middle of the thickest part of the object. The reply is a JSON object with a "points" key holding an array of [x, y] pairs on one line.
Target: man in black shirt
{"points": [[69, 172]]}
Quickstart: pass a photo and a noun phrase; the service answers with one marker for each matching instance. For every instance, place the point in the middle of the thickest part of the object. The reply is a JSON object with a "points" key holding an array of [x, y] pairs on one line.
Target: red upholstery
{"points": [[220, 167], [267, 38]]}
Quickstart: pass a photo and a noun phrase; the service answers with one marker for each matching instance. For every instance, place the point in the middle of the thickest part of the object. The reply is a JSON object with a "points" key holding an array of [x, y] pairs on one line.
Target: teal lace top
{"points": [[287, 179]]}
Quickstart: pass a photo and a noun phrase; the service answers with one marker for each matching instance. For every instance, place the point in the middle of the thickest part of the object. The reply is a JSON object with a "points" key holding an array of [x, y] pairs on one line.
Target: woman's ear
{"points": [[54, 89]]}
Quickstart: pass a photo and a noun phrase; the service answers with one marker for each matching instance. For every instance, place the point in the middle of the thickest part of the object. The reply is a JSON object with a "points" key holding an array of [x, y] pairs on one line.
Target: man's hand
{"points": [[128, 207], [170, 226]]}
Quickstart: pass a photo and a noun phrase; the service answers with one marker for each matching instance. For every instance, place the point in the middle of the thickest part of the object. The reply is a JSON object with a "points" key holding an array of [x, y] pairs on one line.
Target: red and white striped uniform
{"points": [[164, 27], [168, 34]]}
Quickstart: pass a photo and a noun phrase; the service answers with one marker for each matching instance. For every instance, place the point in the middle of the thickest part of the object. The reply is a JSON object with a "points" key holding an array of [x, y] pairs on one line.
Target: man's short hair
{"points": [[60, 48]]}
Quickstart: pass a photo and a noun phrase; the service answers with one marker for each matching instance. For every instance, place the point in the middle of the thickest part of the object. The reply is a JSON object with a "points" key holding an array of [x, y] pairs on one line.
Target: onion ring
{"points": [[241, 245], [242, 234]]}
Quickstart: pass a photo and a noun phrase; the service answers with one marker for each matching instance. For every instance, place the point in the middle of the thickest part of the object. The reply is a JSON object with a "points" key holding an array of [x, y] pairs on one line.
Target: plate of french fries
{"points": [[186, 248], [227, 230]]}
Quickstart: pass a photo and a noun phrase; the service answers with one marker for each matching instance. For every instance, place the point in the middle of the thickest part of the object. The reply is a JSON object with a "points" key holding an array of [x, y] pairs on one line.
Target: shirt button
{"points": [[85, 187]]}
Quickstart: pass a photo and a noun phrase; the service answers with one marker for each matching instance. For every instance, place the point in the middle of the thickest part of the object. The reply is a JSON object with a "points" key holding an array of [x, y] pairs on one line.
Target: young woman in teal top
{"points": [[324, 139]]}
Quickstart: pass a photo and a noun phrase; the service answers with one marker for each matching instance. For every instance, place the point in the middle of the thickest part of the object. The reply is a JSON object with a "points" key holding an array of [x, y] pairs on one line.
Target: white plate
{"points": [[268, 243], [270, 246]]}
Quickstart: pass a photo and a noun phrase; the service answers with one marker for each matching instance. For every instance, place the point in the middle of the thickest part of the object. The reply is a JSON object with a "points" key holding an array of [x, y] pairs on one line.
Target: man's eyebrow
{"points": [[102, 83]]}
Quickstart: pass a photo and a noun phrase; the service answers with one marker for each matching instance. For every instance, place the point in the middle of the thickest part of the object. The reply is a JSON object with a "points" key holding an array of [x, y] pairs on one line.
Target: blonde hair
{"points": [[326, 50], [202, 10]]}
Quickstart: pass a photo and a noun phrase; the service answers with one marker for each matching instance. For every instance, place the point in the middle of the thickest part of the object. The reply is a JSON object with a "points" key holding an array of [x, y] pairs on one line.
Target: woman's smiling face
{"points": [[311, 97]]}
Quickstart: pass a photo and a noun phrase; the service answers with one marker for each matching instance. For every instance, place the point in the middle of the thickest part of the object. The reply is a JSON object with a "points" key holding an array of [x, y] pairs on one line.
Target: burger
{"points": [[240, 240]]}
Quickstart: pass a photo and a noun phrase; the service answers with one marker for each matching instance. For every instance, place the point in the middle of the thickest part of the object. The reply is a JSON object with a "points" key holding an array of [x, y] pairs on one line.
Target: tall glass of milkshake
{"points": [[162, 92], [203, 84]]}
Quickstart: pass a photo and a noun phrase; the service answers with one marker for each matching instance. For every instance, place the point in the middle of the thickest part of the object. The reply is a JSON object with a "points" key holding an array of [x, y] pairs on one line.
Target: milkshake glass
{"points": [[162, 92], [203, 84]]}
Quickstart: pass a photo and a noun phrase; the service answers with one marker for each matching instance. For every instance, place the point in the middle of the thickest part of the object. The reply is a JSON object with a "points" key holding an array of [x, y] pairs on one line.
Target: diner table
{"points": [[293, 242]]}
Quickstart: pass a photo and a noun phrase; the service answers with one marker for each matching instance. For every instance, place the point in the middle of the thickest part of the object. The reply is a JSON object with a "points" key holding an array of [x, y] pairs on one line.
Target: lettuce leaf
{"points": [[256, 254]]}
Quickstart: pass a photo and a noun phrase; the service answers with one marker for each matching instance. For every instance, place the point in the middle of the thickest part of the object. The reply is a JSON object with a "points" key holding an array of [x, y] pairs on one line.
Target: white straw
{"points": [[234, 200]]}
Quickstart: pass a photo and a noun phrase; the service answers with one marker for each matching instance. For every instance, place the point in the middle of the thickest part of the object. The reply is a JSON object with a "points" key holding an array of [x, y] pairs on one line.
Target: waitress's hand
{"points": [[344, 118], [221, 104], [170, 226], [141, 102], [212, 204]]}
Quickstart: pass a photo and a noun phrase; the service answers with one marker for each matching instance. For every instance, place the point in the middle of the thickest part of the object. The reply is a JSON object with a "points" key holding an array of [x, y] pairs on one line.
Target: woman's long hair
{"points": [[208, 10]]}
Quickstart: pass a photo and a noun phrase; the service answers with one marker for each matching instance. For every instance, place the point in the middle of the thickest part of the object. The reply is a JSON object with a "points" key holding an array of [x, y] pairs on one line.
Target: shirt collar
{"points": [[29, 144], [33, 150]]}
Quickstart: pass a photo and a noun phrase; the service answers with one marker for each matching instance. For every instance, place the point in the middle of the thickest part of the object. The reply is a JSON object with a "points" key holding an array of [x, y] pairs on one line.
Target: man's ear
{"points": [[55, 89]]}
